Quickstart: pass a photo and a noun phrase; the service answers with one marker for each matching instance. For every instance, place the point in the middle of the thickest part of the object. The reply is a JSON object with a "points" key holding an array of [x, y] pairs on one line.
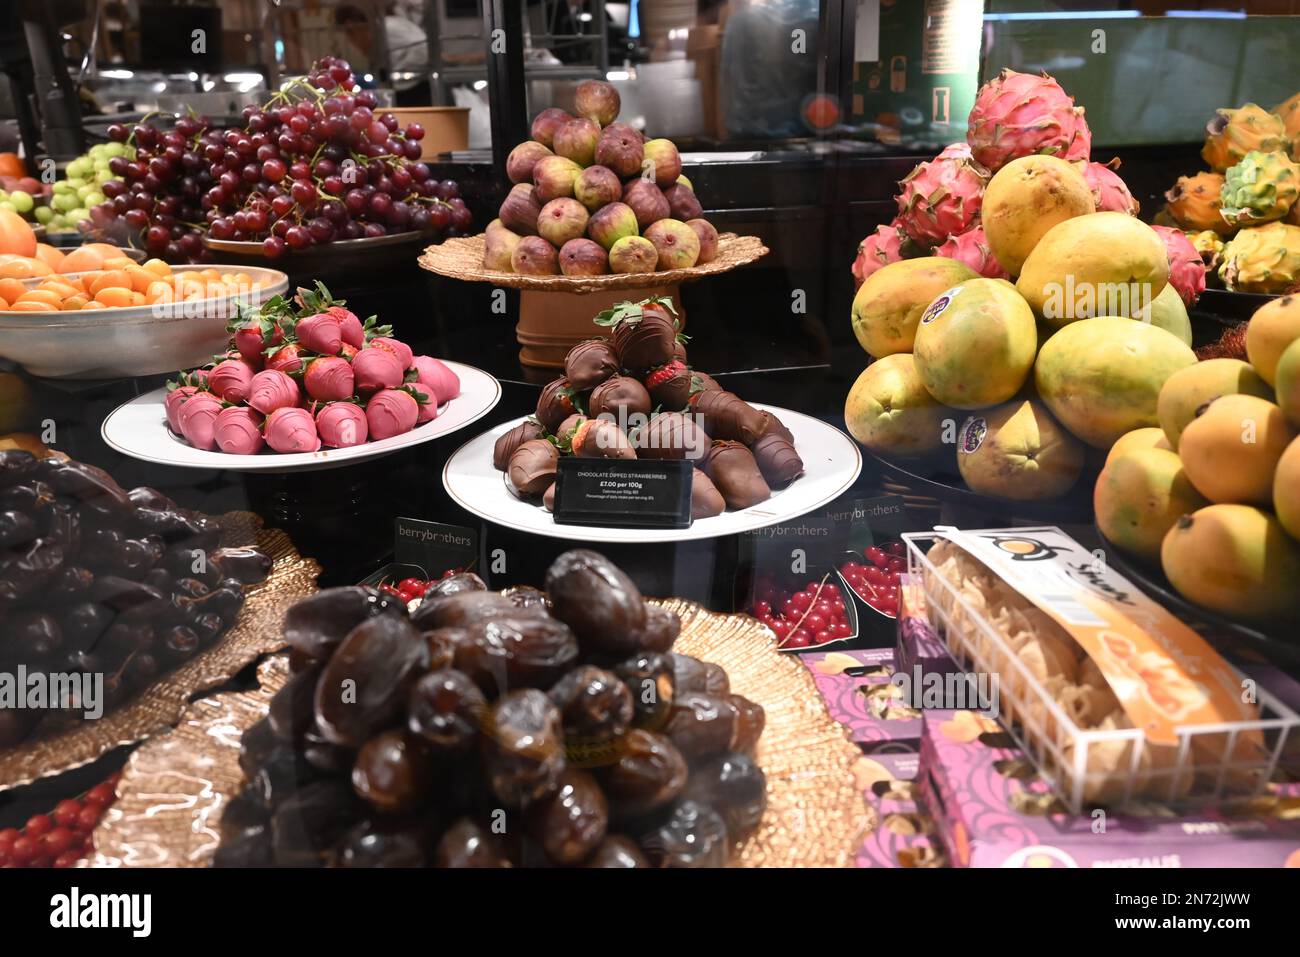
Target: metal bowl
{"points": [[131, 341]]}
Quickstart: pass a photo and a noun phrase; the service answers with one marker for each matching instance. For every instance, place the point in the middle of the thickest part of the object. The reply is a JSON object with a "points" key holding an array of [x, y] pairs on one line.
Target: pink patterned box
{"points": [[902, 835], [991, 810], [858, 693]]}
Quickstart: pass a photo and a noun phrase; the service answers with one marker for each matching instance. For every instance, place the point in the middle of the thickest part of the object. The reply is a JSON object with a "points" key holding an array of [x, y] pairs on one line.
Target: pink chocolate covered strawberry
{"points": [[271, 389], [398, 348], [230, 378], [329, 378], [291, 430], [286, 359], [427, 398], [175, 398], [253, 337], [320, 333], [436, 373], [354, 334], [197, 419], [342, 424], [374, 369], [238, 431], [391, 412]]}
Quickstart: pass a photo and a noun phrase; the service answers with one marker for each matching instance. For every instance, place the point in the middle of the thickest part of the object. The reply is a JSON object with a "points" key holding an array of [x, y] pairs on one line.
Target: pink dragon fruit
{"points": [[1108, 191], [1186, 268], [1018, 114], [972, 248], [888, 244], [942, 198]]}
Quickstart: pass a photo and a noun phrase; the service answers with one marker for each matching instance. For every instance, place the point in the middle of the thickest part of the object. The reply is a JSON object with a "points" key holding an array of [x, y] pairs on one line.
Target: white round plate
{"points": [[831, 461], [139, 429]]}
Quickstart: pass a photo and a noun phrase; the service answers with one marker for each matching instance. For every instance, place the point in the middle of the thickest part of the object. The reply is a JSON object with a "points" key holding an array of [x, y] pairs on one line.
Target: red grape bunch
{"points": [[318, 162]]}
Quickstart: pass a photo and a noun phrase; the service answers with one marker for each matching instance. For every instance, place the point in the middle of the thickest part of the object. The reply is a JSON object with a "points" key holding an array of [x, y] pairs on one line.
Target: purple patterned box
{"points": [[858, 693], [917, 645], [902, 835], [991, 810]]}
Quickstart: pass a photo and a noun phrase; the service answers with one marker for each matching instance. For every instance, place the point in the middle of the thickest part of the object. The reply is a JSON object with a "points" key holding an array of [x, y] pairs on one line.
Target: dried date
{"points": [[523, 747], [597, 600], [365, 683]]}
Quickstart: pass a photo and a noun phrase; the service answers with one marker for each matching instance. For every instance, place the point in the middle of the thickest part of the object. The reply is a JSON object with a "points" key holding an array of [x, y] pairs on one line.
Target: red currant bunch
{"points": [[875, 579], [812, 615]]}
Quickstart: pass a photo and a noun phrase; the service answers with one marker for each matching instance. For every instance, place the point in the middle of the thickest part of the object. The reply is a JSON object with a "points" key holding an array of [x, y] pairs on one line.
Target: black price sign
{"points": [[636, 493], [433, 546]]}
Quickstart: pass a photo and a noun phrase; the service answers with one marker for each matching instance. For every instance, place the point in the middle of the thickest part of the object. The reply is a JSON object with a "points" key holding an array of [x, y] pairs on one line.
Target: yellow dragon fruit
{"points": [[1265, 259], [1234, 133], [1018, 114], [1210, 245], [1194, 203], [1259, 189], [1290, 113]]}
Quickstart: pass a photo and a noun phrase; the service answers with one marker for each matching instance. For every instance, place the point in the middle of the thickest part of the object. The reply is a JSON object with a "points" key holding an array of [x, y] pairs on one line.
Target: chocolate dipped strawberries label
{"points": [[644, 493]]}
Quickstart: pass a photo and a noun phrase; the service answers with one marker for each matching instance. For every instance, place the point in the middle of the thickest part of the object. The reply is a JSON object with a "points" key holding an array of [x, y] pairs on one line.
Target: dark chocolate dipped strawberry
{"points": [[532, 468], [601, 439], [644, 334], [505, 445], [679, 350], [728, 416], [555, 404], [706, 500], [590, 363], [774, 426], [671, 435], [548, 497], [703, 382], [620, 397], [670, 385], [733, 470], [777, 460]]}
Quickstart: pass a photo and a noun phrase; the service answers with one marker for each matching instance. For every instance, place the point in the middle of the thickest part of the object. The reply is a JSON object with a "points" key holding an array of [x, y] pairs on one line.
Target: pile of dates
{"points": [[96, 580], [512, 729]]}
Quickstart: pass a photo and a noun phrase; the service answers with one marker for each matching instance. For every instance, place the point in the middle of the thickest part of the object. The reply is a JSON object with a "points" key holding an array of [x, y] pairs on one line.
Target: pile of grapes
{"points": [[315, 164]]}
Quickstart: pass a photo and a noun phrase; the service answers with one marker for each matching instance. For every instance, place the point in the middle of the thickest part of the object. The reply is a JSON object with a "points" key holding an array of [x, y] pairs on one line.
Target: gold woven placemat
{"points": [[256, 631], [173, 789], [462, 258]]}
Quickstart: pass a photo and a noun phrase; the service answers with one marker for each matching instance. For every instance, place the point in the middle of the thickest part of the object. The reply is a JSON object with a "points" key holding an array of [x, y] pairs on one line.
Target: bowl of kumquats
{"points": [[97, 312]]}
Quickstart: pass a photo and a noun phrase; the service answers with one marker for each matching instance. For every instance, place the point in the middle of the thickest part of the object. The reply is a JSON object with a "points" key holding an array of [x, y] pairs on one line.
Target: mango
{"points": [[1286, 489], [1102, 264], [1139, 496], [888, 409], [1273, 327], [1231, 450], [1287, 382], [1234, 559], [1169, 313], [1148, 438], [975, 344], [1018, 451], [1101, 377], [888, 306], [1025, 199], [1186, 391]]}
